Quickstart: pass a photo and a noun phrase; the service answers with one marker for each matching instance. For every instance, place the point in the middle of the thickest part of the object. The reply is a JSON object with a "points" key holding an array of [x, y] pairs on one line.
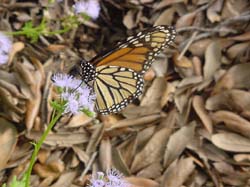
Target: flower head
{"points": [[5, 47], [113, 178], [89, 7], [75, 95]]}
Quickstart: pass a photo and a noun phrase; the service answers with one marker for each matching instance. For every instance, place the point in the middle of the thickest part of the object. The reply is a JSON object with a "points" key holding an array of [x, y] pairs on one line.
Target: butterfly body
{"points": [[118, 75]]}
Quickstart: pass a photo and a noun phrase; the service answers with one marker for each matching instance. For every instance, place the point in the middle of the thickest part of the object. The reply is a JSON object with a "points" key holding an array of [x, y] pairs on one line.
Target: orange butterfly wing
{"points": [[138, 52]]}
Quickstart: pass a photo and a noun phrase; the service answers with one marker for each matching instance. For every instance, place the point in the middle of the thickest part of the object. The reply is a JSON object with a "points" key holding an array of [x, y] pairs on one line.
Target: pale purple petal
{"points": [[89, 7], [5, 47], [61, 80], [77, 95]]}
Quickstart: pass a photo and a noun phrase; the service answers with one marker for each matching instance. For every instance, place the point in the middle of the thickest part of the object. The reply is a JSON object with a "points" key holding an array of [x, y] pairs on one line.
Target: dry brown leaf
{"points": [[198, 48], [95, 139], [128, 19], [197, 66], [141, 182], [119, 162], [62, 139], [186, 20], [154, 93], [128, 148], [198, 104], [8, 140], [237, 49], [105, 154], [178, 142], [43, 155], [152, 151], [166, 17], [78, 120], [178, 172], [184, 62], [153, 171], [234, 100], [214, 10], [17, 46], [82, 155], [135, 122], [236, 77], [231, 142], [65, 180], [242, 37], [44, 171], [233, 121], [149, 75], [212, 60]]}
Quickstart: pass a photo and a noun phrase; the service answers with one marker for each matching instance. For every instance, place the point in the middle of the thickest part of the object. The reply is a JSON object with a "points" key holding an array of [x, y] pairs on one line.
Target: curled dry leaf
{"points": [[178, 172], [128, 19], [66, 179], [78, 120], [234, 100], [233, 121], [178, 142], [62, 139], [44, 171], [154, 94], [214, 10], [198, 48], [105, 154], [237, 49], [198, 104], [236, 77], [119, 162], [166, 17], [141, 182], [186, 20], [82, 155], [128, 148], [95, 139], [153, 171], [152, 151], [231, 142], [184, 62], [8, 140], [212, 60], [18, 46]]}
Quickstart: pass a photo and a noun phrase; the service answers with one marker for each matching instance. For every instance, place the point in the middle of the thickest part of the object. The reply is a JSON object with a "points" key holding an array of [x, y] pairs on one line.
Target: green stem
{"points": [[38, 146]]}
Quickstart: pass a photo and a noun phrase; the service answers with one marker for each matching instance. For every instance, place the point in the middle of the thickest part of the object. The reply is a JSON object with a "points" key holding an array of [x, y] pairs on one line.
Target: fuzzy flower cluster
{"points": [[113, 178], [77, 97], [89, 7], [5, 47]]}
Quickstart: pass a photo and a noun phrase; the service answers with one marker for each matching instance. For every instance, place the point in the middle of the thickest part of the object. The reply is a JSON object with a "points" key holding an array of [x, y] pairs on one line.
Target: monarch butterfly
{"points": [[117, 76]]}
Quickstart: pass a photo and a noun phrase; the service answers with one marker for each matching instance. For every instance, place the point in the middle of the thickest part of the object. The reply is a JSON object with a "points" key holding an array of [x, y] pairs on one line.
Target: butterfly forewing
{"points": [[139, 51]]}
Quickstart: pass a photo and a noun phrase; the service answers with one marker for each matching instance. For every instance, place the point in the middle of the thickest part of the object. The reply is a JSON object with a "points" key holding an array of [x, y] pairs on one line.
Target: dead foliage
{"points": [[191, 126]]}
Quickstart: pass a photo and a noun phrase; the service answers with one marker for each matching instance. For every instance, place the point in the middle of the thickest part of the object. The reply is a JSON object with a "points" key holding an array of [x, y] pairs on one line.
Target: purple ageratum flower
{"points": [[113, 179], [5, 47], [77, 96], [66, 81], [89, 7]]}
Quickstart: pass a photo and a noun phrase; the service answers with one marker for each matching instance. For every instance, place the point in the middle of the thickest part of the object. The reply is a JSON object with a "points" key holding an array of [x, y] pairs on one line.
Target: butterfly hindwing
{"points": [[115, 87]]}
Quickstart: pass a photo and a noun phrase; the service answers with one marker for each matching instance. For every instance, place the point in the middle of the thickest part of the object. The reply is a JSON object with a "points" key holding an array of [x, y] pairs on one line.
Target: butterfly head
{"points": [[87, 71]]}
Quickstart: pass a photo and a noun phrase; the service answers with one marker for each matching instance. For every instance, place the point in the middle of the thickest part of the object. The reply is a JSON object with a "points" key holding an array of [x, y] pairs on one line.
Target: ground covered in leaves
{"points": [[191, 126]]}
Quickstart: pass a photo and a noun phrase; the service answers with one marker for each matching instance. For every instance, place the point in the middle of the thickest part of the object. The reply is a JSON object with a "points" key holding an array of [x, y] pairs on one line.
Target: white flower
{"points": [[89, 7], [5, 47]]}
